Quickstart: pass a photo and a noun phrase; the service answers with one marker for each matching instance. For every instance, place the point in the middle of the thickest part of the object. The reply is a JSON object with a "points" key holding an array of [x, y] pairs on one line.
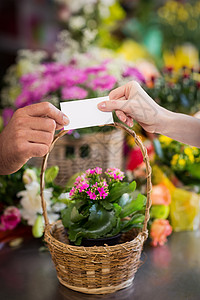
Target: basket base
{"points": [[103, 290]]}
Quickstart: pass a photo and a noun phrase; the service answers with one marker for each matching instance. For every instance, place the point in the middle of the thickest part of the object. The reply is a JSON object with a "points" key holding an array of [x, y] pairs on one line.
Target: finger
{"points": [[37, 150], [123, 91], [46, 109], [129, 121], [41, 137], [122, 117], [41, 124], [114, 105], [117, 93]]}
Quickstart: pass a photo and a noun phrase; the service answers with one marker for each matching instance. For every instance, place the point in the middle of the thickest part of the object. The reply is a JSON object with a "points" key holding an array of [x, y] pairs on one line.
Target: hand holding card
{"points": [[84, 113]]}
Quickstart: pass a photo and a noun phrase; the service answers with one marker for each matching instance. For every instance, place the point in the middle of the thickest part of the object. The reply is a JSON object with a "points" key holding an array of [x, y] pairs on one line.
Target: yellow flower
{"points": [[186, 55], [191, 158], [195, 150], [188, 151], [182, 162], [174, 160], [132, 50], [165, 140]]}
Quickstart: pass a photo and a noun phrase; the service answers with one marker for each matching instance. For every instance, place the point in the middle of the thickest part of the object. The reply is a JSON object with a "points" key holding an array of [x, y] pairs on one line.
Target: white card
{"points": [[84, 113]]}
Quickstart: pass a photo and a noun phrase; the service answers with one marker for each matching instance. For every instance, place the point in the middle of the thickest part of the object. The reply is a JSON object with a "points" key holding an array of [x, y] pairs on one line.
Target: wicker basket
{"points": [[96, 270], [103, 149]]}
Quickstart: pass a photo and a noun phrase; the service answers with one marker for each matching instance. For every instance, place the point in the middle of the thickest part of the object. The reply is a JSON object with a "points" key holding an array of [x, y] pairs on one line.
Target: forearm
{"points": [[180, 127]]}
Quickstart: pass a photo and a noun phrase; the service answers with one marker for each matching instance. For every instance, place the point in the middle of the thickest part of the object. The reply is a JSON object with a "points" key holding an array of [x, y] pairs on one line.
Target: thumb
{"points": [[114, 105]]}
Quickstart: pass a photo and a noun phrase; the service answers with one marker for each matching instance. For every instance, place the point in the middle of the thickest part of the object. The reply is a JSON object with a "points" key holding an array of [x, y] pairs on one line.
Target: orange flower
{"points": [[160, 195], [160, 229]]}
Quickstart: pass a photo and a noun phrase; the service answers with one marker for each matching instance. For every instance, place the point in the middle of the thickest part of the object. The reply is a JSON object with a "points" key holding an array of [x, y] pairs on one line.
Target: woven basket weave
{"points": [[102, 269], [103, 149]]}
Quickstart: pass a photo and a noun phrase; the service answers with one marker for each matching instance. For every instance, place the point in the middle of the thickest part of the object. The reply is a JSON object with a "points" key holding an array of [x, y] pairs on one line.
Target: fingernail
{"points": [[65, 119], [102, 105]]}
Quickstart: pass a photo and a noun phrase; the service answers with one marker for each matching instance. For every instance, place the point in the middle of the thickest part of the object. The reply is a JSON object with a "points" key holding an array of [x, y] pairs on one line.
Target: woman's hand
{"points": [[132, 102]]}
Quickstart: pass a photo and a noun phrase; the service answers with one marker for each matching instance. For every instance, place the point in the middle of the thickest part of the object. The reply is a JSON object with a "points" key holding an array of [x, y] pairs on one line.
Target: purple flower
{"points": [[7, 115], [53, 68], [73, 92], [133, 72], [28, 79], [72, 76], [105, 82], [95, 69]]}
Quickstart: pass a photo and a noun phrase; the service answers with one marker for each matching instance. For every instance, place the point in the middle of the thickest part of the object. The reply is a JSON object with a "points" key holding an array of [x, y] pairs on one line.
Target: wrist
{"points": [[164, 121]]}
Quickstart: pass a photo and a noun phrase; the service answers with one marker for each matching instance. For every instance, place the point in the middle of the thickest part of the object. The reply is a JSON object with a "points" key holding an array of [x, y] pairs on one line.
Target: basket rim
{"points": [[140, 238]]}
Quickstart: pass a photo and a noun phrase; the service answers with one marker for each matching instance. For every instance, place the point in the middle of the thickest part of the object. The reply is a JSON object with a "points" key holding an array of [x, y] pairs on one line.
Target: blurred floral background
{"points": [[89, 47]]}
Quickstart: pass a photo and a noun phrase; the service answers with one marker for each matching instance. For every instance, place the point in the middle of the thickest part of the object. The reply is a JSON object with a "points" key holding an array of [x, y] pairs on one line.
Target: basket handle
{"points": [[145, 159]]}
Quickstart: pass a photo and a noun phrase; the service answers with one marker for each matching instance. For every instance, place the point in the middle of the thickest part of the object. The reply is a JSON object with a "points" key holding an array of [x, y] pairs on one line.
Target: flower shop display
{"points": [[177, 161], [177, 91], [102, 269], [20, 210], [181, 159]]}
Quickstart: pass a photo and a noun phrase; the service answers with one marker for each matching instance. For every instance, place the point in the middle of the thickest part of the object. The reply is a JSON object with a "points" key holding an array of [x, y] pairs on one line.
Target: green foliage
{"points": [[10, 185], [105, 218]]}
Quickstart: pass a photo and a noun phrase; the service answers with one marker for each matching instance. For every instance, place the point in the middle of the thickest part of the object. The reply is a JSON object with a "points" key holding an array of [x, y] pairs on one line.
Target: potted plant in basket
{"points": [[100, 206]]}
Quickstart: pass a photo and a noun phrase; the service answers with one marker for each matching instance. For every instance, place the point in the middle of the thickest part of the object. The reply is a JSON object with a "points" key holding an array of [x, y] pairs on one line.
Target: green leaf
{"points": [[100, 222], [125, 199], [51, 174], [194, 170], [135, 205], [117, 208], [107, 205], [76, 216], [137, 220], [132, 186], [66, 215], [119, 189]]}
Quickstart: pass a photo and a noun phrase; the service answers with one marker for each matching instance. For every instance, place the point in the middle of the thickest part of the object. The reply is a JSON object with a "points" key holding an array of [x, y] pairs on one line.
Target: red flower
{"points": [[10, 218]]}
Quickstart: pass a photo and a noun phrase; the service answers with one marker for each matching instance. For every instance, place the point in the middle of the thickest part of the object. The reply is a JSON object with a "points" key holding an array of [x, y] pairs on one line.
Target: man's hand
{"points": [[29, 134]]}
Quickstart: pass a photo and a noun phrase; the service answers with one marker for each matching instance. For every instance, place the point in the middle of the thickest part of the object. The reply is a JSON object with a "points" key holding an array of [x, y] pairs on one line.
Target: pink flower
{"points": [[105, 82], [160, 229], [160, 195], [96, 170], [92, 195], [102, 192], [10, 218], [73, 92], [134, 73], [115, 173], [95, 69], [7, 115]]}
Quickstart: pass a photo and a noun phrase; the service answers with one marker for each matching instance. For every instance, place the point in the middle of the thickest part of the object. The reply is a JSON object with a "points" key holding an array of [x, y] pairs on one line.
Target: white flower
{"points": [[77, 22], [31, 201], [29, 175]]}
